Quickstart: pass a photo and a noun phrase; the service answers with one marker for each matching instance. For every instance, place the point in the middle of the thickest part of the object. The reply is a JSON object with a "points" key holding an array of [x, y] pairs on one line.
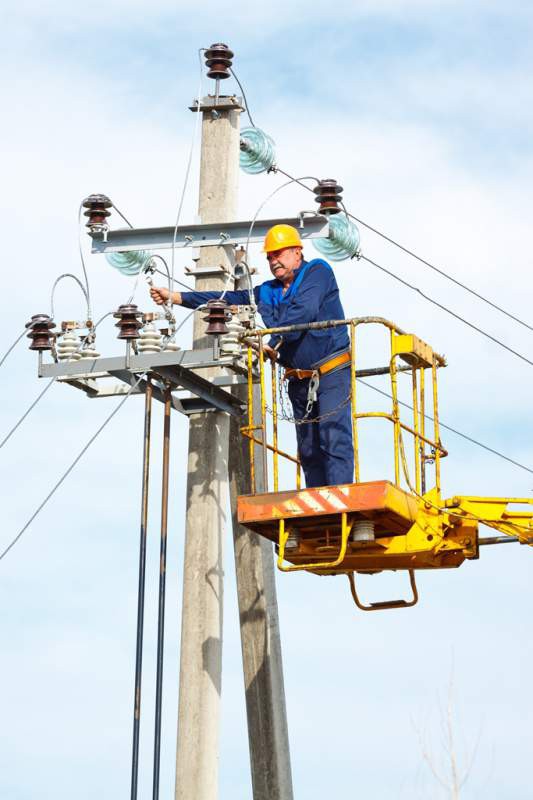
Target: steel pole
{"points": [[140, 594], [162, 586]]}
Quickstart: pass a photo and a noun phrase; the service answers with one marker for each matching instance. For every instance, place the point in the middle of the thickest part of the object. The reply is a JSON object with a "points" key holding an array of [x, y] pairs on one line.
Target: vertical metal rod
{"points": [[436, 429], [395, 413], [217, 90], [275, 426], [263, 410], [251, 420], [423, 429], [354, 407], [416, 429], [162, 583], [140, 595]]}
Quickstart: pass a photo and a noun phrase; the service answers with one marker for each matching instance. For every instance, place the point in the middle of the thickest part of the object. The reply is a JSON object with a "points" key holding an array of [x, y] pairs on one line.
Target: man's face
{"points": [[283, 262]]}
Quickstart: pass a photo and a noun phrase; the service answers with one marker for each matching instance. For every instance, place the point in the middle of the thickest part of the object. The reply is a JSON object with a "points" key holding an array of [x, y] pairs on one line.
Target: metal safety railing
{"points": [[406, 354]]}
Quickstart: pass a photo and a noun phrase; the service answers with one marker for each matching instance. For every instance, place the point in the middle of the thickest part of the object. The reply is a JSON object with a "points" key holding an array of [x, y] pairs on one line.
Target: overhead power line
{"points": [[448, 310], [449, 428], [441, 272], [434, 268], [70, 468], [15, 343]]}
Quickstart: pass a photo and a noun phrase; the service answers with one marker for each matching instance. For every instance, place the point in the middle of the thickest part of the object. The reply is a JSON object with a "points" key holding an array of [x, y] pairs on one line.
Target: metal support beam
{"points": [[214, 234]]}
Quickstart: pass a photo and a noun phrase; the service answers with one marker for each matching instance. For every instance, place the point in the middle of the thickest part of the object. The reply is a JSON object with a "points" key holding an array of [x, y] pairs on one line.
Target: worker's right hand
{"points": [[160, 295]]}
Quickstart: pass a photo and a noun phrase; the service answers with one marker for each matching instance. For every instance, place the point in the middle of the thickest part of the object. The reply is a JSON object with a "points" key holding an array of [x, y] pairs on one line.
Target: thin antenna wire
{"points": [[70, 468], [447, 310]]}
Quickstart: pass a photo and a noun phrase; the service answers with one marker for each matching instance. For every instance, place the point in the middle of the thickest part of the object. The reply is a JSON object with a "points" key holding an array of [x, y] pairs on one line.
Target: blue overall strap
{"points": [[271, 292]]}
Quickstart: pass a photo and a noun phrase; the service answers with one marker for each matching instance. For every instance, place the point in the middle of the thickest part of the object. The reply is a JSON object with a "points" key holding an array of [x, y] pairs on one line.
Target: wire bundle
{"points": [[257, 151], [343, 239]]}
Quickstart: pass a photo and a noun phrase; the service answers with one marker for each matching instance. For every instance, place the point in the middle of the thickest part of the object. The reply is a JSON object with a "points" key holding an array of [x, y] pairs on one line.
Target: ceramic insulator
{"points": [[150, 339], [68, 347]]}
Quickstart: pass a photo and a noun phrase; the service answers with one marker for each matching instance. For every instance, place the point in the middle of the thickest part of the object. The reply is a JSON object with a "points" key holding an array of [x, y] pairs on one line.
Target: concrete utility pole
{"points": [[207, 496], [260, 637], [207, 491]]}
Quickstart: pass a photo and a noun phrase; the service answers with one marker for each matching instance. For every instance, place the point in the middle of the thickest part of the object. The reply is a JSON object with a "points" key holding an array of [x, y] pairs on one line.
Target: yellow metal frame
{"points": [[412, 350], [416, 529]]}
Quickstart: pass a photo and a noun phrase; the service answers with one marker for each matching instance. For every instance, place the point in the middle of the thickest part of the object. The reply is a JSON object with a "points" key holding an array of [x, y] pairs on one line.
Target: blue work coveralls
{"points": [[324, 447]]}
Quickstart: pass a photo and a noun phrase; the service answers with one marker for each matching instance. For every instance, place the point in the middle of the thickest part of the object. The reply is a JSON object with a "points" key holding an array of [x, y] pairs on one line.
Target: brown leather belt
{"points": [[323, 369]]}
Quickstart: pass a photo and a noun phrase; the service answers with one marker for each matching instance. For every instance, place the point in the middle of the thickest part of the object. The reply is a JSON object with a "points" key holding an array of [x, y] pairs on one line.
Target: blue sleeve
{"points": [[195, 299], [304, 307]]}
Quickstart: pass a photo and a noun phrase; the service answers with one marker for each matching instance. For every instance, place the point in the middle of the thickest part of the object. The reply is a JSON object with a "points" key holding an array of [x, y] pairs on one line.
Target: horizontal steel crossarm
{"points": [[212, 234], [100, 367], [214, 395]]}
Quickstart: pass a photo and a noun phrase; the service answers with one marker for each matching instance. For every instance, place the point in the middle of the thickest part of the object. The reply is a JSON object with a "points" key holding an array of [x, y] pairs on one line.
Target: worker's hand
{"points": [[270, 352], [160, 295]]}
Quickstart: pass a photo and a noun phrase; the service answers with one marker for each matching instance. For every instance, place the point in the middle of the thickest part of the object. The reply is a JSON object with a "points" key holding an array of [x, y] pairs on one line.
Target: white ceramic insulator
{"points": [[68, 347], [171, 347], [229, 342], [89, 352], [150, 340], [363, 531]]}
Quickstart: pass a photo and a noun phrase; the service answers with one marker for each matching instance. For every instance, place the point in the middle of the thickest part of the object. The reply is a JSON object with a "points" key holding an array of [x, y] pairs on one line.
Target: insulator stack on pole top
{"points": [[97, 206], [129, 322], [40, 332], [328, 194], [216, 317], [218, 59]]}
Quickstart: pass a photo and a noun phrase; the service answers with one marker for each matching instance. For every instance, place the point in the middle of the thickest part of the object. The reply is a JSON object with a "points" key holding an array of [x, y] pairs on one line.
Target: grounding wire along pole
{"points": [[162, 585], [140, 593], [207, 487], [268, 736]]}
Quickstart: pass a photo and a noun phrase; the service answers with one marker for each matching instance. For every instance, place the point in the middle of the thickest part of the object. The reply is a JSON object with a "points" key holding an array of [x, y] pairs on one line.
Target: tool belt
{"points": [[323, 369]]}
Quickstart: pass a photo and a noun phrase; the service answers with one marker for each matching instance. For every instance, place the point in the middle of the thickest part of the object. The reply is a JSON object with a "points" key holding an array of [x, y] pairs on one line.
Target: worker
{"points": [[317, 362]]}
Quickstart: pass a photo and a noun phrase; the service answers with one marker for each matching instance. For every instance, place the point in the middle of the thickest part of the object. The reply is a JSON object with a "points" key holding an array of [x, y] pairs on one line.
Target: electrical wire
{"points": [[41, 394], [441, 272], [252, 123], [70, 468], [449, 428], [447, 310], [46, 388], [80, 284], [15, 343], [436, 269], [119, 212], [84, 268], [189, 163]]}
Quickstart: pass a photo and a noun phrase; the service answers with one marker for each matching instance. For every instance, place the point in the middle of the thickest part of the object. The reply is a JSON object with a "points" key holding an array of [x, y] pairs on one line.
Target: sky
{"points": [[422, 111]]}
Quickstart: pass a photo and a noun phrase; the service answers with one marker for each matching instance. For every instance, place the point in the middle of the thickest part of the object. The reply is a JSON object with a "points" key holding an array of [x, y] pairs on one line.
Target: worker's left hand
{"points": [[270, 352]]}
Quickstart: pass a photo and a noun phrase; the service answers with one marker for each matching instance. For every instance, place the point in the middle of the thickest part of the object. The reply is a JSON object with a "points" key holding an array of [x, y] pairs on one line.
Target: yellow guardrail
{"points": [[416, 356]]}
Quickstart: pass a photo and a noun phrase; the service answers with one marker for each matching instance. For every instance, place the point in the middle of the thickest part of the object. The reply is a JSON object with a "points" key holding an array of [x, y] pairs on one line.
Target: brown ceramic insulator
{"points": [[328, 194], [128, 321], [40, 332], [97, 205], [216, 317], [218, 59]]}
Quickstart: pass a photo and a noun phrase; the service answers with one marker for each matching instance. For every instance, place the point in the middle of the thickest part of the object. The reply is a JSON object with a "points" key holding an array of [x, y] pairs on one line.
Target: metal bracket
{"points": [[213, 234], [220, 103]]}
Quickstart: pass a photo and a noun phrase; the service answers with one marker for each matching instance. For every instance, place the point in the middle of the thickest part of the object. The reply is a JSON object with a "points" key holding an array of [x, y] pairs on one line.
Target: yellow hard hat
{"points": [[281, 236]]}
